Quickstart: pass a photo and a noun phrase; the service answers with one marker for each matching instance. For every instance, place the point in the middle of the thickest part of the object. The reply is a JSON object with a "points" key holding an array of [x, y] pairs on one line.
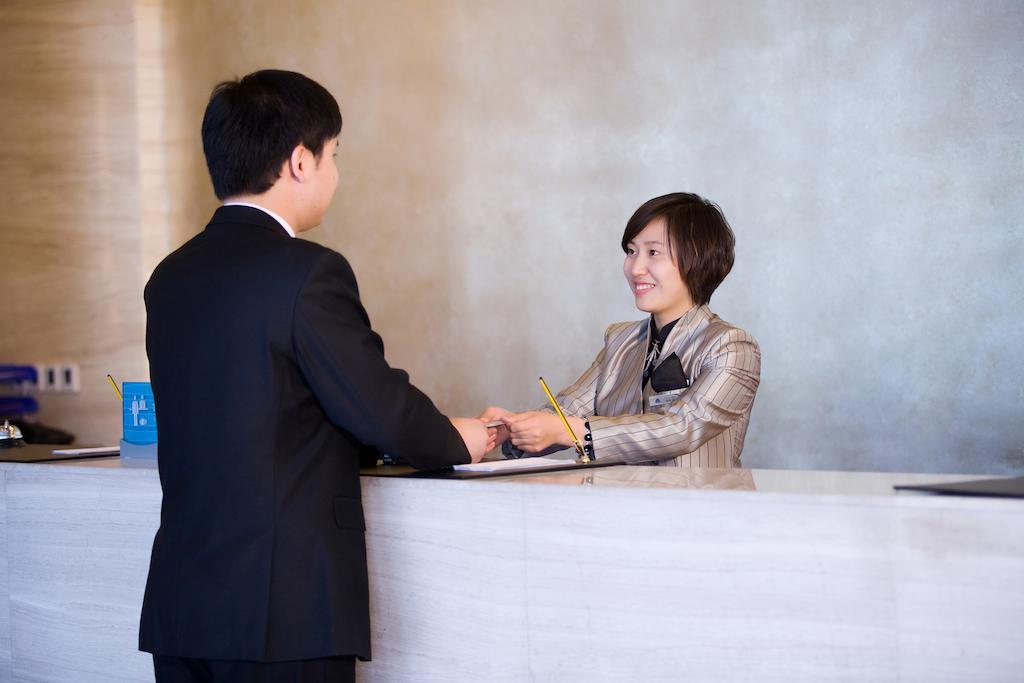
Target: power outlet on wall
{"points": [[48, 379], [57, 378], [68, 380], [40, 378]]}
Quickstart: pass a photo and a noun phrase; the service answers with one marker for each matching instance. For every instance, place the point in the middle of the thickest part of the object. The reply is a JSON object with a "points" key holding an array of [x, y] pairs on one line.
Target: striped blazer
{"points": [[701, 426]]}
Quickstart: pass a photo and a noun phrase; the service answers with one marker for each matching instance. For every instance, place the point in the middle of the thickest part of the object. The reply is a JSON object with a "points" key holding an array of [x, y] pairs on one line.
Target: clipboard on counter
{"points": [[488, 468]]}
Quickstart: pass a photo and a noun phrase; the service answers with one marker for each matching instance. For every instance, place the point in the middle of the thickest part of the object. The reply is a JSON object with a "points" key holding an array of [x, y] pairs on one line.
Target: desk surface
{"points": [[811, 482]]}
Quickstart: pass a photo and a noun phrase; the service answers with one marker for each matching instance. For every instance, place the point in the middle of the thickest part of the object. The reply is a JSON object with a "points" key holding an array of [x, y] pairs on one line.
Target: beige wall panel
{"points": [[71, 271], [188, 77], [151, 108]]}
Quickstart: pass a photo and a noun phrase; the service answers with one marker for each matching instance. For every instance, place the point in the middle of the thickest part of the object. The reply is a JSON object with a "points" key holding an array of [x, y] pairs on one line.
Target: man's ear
{"points": [[299, 163]]}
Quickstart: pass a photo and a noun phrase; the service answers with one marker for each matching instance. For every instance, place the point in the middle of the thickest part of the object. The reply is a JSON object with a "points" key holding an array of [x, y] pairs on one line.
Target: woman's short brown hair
{"points": [[699, 237]]}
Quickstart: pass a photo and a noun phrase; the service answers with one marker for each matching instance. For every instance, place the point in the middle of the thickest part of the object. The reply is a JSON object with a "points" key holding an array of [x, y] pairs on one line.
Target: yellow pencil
{"points": [[579, 447], [114, 384]]}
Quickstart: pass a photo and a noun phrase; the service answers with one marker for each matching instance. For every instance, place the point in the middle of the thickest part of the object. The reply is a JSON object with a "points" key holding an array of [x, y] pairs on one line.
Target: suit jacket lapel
{"points": [[680, 338], [626, 371]]}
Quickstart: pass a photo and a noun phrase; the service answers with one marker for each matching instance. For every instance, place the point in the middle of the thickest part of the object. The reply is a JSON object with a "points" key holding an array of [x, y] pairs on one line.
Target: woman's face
{"points": [[653, 275]]}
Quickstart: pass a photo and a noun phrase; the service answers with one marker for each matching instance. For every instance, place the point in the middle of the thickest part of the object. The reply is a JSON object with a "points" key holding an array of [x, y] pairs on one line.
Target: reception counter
{"points": [[616, 573]]}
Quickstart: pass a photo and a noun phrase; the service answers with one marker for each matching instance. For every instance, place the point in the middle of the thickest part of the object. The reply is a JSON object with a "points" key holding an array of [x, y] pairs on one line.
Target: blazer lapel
{"points": [[621, 390], [680, 338]]}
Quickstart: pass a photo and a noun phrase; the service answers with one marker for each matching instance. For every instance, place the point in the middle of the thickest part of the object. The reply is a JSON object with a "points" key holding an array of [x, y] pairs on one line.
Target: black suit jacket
{"points": [[269, 384]]}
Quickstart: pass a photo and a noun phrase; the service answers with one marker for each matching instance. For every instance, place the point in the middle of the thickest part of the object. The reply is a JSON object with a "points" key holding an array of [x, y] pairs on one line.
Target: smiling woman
{"points": [[676, 388]]}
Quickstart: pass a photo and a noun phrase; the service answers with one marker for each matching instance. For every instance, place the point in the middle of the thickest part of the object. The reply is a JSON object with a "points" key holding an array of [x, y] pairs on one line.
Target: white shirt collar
{"points": [[283, 222]]}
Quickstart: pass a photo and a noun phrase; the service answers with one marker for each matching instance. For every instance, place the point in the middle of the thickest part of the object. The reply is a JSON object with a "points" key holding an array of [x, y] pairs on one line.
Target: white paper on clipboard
{"points": [[512, 464]]}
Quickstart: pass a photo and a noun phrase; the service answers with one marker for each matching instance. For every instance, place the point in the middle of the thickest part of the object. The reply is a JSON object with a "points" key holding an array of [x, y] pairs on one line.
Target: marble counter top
{"points": [[810, 482], [766, 481]]}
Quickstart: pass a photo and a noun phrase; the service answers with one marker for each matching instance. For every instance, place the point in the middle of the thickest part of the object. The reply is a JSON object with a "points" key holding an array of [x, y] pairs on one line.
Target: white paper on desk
{"points": [[99, 450], [516, 464]]}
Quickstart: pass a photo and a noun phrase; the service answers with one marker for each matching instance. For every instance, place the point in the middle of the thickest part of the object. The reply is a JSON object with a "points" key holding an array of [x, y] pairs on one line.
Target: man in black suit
{"points": [[270, 386]]}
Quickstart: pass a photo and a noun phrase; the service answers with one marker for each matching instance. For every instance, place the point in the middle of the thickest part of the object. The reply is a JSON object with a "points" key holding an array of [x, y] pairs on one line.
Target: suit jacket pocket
{"points": [[348, 514], [669, 375]]}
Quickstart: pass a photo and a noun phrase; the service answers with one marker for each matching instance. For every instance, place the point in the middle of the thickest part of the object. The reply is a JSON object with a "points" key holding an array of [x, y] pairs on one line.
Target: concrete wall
{"points": [[868, 155]]}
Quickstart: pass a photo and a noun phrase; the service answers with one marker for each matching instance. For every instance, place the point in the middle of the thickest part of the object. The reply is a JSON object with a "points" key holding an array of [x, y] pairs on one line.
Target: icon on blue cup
{"points": [[139, 413]]}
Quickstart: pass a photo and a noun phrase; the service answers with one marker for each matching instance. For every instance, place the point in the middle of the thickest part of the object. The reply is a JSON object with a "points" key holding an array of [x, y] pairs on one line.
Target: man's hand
{"points": [[474, 434], [537, 430], [495, 435]]}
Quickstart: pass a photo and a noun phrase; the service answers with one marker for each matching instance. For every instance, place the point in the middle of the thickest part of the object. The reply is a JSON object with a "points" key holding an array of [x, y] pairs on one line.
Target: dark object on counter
{"points": [[10, 436], [17, 409], [37, 432], [1004, 487], [44, 453]]}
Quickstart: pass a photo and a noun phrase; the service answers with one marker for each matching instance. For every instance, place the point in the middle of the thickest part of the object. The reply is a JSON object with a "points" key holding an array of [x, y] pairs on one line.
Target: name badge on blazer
{"points": [[668, 381], [664, 398]]}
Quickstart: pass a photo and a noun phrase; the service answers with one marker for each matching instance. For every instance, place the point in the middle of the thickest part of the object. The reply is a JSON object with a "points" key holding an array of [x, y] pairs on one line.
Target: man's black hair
{"points": [[252, 124]]}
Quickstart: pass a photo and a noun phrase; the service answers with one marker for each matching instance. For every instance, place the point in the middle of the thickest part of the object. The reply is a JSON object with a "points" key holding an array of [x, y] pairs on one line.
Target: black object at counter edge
{"points": [[1006, 487]]}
